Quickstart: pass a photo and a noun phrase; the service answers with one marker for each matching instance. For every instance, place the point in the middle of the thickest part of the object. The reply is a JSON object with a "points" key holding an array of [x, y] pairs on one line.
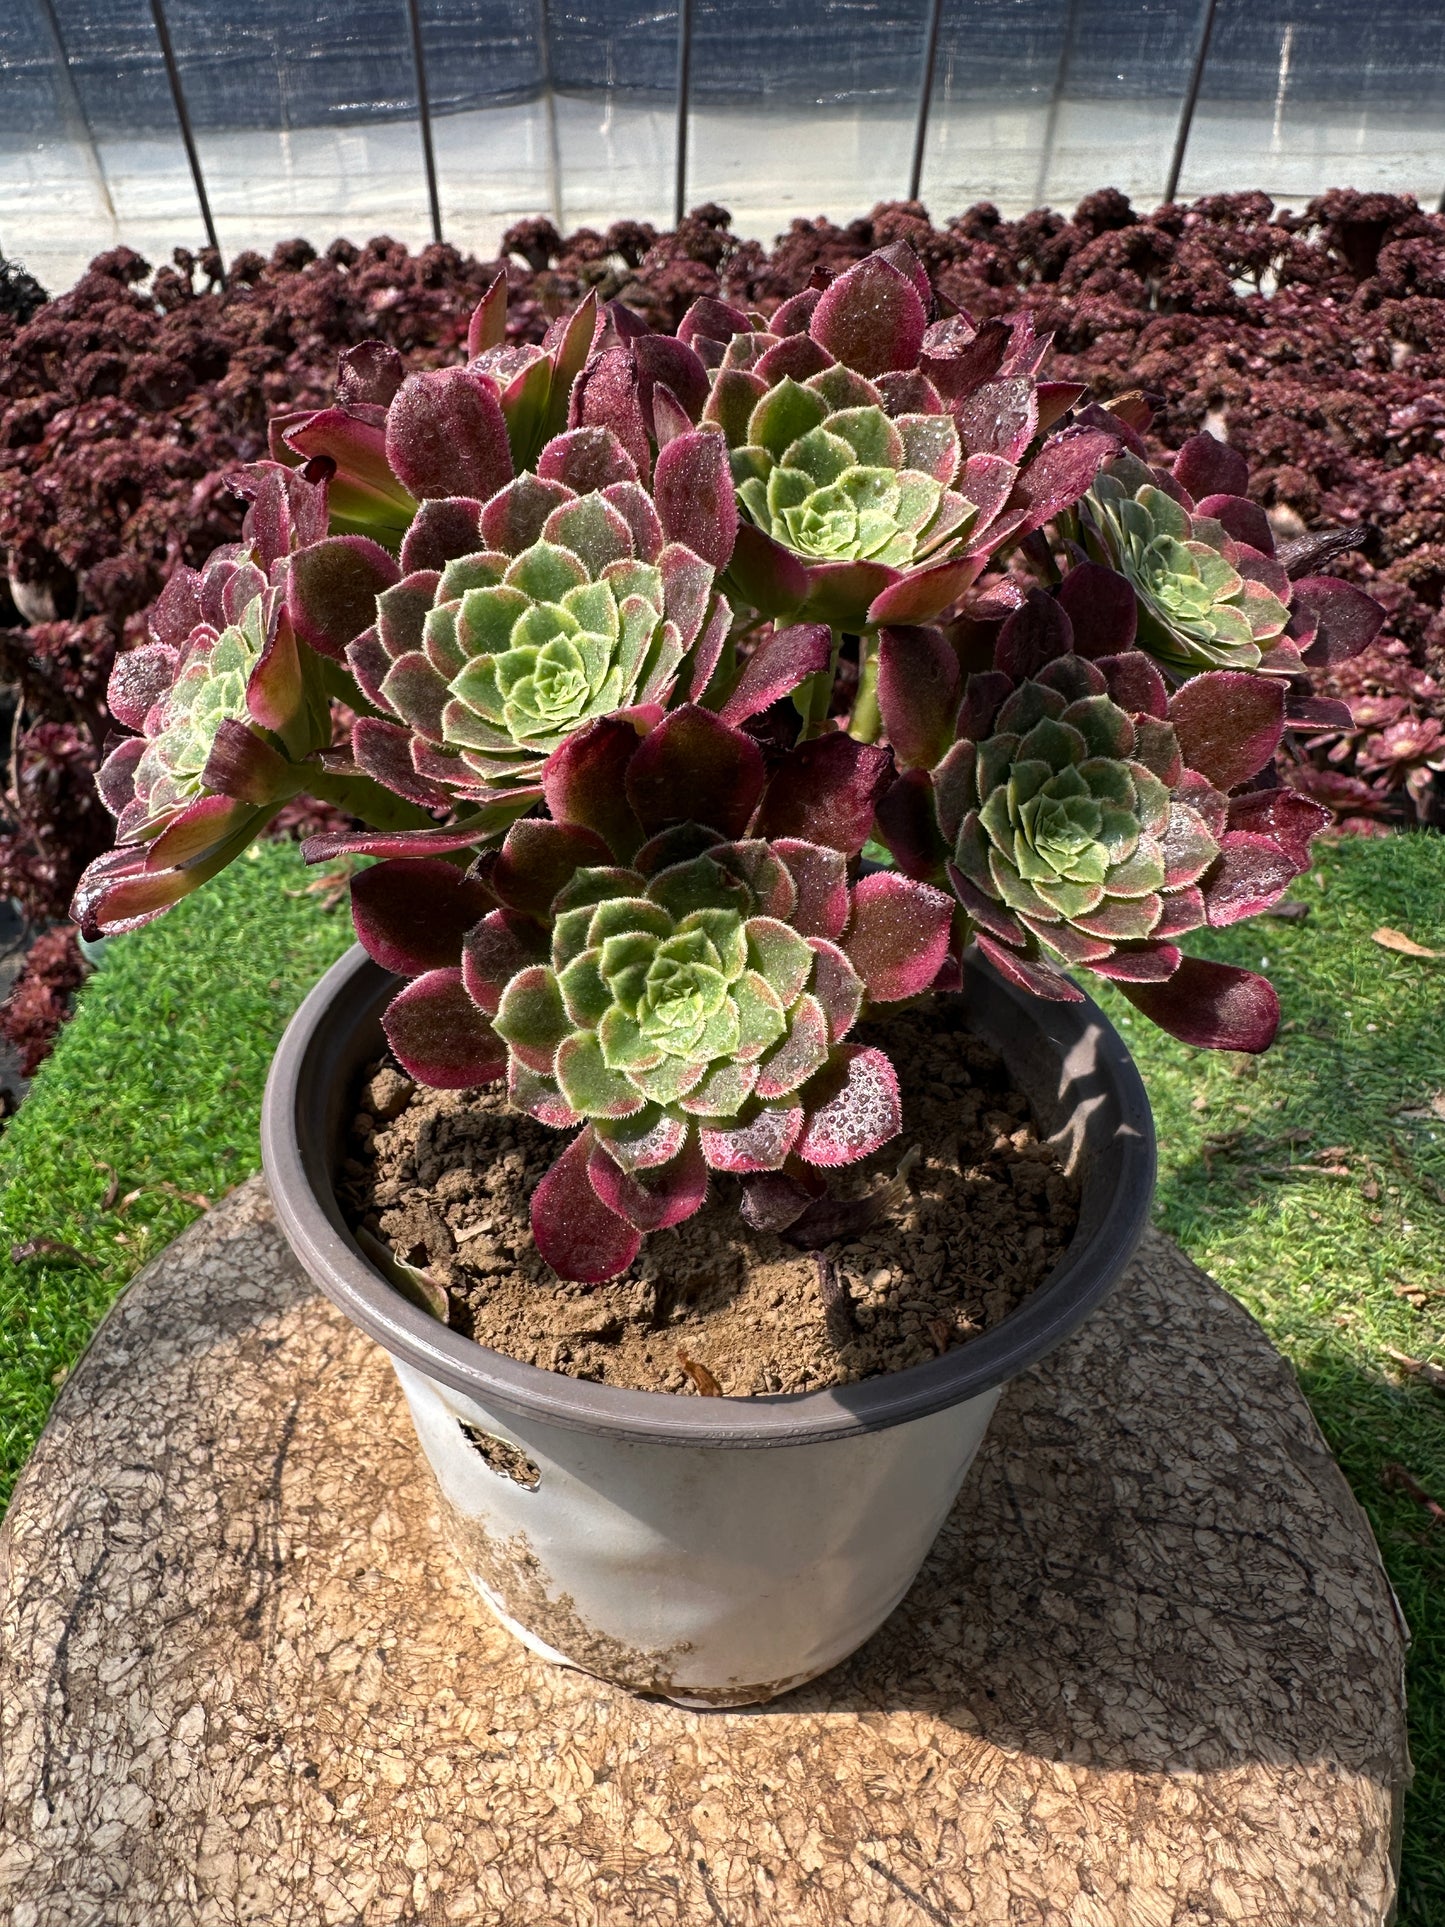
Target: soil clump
{"points": [[445, 1178]]}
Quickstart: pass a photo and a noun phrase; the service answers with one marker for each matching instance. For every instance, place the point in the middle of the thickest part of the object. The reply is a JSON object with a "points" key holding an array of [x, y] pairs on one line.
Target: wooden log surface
{"points": [[1151, 1673]]}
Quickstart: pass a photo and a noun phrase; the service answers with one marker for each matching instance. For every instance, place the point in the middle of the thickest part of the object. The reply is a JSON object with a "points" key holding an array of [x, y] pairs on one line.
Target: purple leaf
{"points": [[655, 1196], [693, 489], [1146, 963], [412, 913], [826, 791], [197, 832], [1212, 1005], [871, 318], [434, 842], [763, 1143], [1291, 819], [585, 783], [792, 316], [488, 325], [693, 768], [821, 876], [138, 679], [586, 458], [958, 372], [443, 529], [1228, 723], [1240, 518], [494, 950], [438, 1035], [371, 372], [768, 576], [711, 320], [383, 751], [606, 395], [907, 821], [514, 519], [776, 667], [1252, 872], [574, 1230], [843, 593], [176, 610], [244, 766], [899, 935], [852, 1107], [1345, 619], [1101, 606], [1033, 636], [1135, 684], [538, 858], [115, 779], [1061, 472], [998, 418], [331, 590], [1207, 466], [446, 435], [1029, 973], [665, 363], [923, 594]]}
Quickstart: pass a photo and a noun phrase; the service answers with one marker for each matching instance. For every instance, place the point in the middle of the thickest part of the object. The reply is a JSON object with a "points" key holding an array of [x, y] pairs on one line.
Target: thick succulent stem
{"points": [[867, 723], [816, 693], [359, 796]]}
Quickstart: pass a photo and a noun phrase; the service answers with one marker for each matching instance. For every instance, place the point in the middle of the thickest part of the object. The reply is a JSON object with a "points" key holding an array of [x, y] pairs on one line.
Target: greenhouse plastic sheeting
{"points": [[307, 120]]}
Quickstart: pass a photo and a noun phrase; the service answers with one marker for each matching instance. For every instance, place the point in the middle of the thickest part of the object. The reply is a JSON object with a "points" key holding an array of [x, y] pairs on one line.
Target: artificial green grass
{"points": [[1310, 1182], [154, 1089]]}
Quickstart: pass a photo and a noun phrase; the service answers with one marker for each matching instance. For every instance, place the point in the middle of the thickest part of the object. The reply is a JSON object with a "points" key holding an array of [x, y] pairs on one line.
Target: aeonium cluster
{"points": [[623, 647]]}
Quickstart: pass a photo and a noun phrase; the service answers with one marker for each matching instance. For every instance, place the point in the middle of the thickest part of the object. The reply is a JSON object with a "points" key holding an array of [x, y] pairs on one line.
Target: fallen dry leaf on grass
{"points": [[1421, 1368], [1397, 1479], [49, 1248], [1397, 941]]}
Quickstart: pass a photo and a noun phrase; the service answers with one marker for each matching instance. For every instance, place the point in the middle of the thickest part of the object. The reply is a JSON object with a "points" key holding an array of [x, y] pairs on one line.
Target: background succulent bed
{"points": [[1314, 340], [638, 637]]}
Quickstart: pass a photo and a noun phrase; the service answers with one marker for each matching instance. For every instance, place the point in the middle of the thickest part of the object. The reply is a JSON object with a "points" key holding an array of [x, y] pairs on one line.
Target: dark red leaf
{"points": [[412, 913]]}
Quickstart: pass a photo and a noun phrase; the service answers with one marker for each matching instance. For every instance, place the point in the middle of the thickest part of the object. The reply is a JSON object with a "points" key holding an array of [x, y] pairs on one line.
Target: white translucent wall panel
{"points": [[613, 64], [55, 206], [803, 109], [1042, 101], [1300, 95], [113, 102], [305, 119]]}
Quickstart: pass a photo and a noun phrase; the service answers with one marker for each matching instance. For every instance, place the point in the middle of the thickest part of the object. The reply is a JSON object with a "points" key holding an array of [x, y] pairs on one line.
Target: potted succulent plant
{"points": [[705, 699]]}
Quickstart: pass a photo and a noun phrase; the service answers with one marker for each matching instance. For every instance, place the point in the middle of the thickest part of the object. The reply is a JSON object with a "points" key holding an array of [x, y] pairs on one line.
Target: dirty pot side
{"points": [[719, 1550]]}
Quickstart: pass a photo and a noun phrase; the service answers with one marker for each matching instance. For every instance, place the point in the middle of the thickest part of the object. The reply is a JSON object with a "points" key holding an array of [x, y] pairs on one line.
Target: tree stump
{"points": [[1151, 1673]]}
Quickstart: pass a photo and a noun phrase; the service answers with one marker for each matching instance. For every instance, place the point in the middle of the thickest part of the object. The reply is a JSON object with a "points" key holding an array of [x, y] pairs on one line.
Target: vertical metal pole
{"points": [[925, 97], [73, 108], [1186, 112], [1061, 81], [684, 81], [168, 54], [549, 109], [423, 106]]}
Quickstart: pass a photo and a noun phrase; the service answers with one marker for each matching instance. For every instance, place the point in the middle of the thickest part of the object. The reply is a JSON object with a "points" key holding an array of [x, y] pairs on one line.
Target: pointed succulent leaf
{"points": [[331, 590], [694, 494], [852, 1107], [538, 859], [825, 791], [693, 767], [438, 1035], [1102, 610], [1345, 620], [576, 1233], [1214, 1006], [654, 1196], [776, 667], [495, 949], [446, 435], [871, 318], [1228, 724], [242, 765], [918, 693], [906, 821], [899, 935], [412, 913], [1207, 466]]}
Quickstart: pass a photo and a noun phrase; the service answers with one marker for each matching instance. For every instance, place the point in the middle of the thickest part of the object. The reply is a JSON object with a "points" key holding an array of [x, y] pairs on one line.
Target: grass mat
{"points": [[1310, 1182]]}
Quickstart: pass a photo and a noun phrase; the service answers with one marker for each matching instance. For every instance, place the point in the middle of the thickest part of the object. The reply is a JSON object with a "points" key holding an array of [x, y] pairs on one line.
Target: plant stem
{"points": [[817, 693], [867, 723]]}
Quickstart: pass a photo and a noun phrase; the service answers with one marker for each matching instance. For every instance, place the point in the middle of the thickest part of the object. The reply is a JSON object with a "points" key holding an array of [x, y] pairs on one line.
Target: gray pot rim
{"points": [[296, 1156]]}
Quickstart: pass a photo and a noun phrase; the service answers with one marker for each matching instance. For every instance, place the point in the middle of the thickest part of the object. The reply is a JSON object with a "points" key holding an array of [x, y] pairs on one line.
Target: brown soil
{"points": [[445, 1179]]}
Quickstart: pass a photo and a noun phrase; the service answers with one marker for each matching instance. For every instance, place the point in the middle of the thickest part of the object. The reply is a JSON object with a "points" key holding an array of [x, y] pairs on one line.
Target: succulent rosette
{"points": [[393, 440], [667, 967], [559, 600], [1083, 817], [879, 461], [225, 714]]}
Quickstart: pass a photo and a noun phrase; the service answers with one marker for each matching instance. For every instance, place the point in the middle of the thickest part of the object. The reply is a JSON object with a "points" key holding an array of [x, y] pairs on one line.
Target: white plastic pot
{"points": [[722, 1550]]}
